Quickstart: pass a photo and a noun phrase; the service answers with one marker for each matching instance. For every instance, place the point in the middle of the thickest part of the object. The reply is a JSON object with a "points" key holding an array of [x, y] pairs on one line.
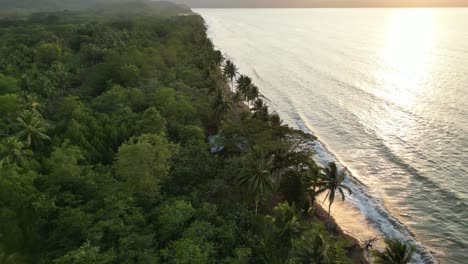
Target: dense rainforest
{"points": [[121, 142], [140, 6]]}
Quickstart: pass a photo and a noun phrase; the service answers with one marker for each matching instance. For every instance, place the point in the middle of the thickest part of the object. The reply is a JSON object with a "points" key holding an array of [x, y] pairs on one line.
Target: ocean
{"points": [[386, 92]]}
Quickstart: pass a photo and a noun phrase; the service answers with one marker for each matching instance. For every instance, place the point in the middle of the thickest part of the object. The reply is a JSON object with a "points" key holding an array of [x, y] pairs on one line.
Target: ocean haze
{"points": [[386, 91], [321, 3]]}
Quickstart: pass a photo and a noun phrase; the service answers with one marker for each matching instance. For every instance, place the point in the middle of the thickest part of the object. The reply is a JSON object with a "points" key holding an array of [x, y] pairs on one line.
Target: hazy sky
{"points": [[320, 3]]}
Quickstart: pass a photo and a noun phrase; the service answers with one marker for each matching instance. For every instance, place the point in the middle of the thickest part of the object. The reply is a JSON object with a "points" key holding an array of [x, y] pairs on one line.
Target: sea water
{"points": [[386, 92]]}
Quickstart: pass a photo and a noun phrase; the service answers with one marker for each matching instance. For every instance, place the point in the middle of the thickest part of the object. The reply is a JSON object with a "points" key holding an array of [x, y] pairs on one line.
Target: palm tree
{"points": [[252, 93], [280, 129], [395, 253], [311, 249], [286, 223], [32, 128], [260, 110], [255, 175], [12, 152], [218, 77], [313, 184], [258, 105], [332, 182], [221, 105], [218, 57], [243, 85], [29, 101], [230, 71]]}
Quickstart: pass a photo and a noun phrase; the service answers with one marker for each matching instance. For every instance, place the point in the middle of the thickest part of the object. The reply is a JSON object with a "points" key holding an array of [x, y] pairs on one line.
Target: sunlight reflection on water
{"points": [[386, 90]]}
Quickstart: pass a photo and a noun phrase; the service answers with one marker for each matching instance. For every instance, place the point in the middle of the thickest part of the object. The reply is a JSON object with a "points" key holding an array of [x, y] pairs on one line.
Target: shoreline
{"points": [[356, 252]]}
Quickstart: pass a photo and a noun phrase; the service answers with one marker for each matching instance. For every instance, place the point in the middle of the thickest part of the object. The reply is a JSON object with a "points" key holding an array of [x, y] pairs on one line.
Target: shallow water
{"points": [[386, 90]]}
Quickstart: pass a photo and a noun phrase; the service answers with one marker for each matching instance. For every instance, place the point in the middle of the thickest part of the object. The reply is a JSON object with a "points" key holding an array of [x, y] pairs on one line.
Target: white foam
{"points": [[371, 208]]}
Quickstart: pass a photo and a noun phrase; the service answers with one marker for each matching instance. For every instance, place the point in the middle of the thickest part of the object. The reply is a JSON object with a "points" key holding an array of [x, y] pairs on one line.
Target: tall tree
{"points": [[260, 110], [218, 57], [255, 176], [243, 85], [333, 182], [287, 223], [313, 184], [12, 151], [143, 161], [32, 128], [395, 253], [230, 71], [221, 105], [252, 93]]}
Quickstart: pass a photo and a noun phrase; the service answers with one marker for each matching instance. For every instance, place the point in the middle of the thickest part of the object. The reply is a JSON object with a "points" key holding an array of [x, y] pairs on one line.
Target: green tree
{"points": [[32, 128], [243, 85], [151, 122], [292, 188], [395, 253], [230, 71], [287, 224], [242, 256], [59, 77], [63, 164], [8, 84], [221, 105], [333, 182], [316, 247], [9, 104], [252, 93], [313, 185], [255, 176], [186, 251], [129, 74], [84, 255], [173, 218], [143, 161], [48, 52], [12, 151], [218, 57], [192, 135]]}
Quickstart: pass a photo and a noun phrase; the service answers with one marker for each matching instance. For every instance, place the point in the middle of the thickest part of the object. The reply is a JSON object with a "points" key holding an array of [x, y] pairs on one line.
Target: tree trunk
{"points": [[311, 202], [256, 206], [328, 220]]}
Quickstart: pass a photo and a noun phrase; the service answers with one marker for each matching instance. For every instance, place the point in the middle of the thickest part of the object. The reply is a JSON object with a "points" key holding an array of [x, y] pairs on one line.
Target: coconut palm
{"points": [[220, 80], [230, 71], [255, 176], [221, 105], [258, 105], [29, 101], [332, 182], [12, 151], [395, 253], [243, 85], [260, 110], [280, 129], [311, 249], [286, 223], [313, 184], [218, 58], [32, 128], [252, 93]]}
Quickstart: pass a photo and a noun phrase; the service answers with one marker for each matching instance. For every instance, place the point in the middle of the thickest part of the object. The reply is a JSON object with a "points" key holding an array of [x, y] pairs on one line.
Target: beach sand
{"points": [[346, 221]]}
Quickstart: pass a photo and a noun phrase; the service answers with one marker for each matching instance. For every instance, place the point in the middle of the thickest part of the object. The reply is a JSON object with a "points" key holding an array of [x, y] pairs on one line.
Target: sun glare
{"points": [[406, 54]]}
